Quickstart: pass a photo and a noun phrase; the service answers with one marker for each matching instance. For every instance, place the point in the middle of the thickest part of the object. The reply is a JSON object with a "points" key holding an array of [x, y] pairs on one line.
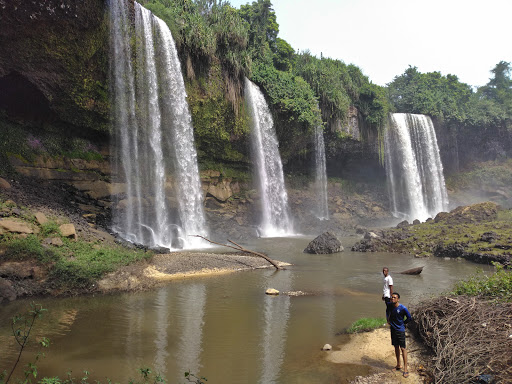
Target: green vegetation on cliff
{"points": [[220, 45]]}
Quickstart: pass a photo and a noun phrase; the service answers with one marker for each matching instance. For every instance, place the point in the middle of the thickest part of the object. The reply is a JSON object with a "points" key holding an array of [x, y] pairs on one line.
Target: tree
{"points": [[499, 87]]}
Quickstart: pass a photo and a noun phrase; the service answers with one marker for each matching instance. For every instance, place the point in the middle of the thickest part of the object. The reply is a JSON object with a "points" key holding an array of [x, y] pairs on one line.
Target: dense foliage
{"points": [[339, 86]]}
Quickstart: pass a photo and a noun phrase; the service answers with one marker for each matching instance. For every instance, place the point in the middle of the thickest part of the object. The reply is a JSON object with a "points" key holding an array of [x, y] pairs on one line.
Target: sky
{"points": [[466, 38]]}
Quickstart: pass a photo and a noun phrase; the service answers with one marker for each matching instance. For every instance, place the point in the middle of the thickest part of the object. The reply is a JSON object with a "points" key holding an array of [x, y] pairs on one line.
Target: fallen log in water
{"points": [[413, 271], [238, 247]]}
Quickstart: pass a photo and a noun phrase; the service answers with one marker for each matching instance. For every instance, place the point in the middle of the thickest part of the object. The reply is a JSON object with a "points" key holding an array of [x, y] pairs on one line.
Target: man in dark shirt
{"points": [[398, 316]]}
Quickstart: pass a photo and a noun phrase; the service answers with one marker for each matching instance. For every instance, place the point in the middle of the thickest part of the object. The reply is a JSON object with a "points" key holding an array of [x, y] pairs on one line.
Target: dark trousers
{"points": [[387, 301]]}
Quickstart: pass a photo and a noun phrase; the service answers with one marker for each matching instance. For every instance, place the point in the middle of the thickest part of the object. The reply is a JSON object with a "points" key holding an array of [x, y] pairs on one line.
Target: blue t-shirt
{"points": [[397, 315]]}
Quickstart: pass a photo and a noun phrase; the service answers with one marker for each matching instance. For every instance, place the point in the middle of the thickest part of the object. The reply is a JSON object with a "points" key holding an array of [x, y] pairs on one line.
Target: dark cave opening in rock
{"points": [[22, 100]]}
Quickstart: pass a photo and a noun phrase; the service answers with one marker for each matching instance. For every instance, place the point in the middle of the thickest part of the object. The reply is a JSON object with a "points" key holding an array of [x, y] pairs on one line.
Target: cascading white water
{"points": [[414, 169], [154, 153], [321, 175], [276, 219]]}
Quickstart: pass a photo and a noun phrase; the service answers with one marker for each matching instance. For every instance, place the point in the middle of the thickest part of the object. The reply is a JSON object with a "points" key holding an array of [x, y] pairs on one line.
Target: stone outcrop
{"points": [[55, 59], [68, 230], [4, 184], [327, 242], [41, 218], [475, 213], [7, 292], [15, 226]]}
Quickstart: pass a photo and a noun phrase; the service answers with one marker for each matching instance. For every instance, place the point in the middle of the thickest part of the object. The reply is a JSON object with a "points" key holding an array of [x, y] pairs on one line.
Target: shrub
{"points": [[496, 286]]}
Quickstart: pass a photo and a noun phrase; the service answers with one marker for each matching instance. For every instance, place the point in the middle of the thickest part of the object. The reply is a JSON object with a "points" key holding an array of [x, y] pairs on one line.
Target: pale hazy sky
{"points": [[466, 38]]}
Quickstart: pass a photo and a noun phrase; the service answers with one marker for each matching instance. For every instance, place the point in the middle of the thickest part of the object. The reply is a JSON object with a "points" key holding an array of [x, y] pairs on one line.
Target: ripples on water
{"points": [[225, 327]]}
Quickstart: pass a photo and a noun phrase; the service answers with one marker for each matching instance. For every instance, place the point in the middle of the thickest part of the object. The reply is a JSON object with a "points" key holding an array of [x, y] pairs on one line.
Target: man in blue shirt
{"points": [[398, 316]]}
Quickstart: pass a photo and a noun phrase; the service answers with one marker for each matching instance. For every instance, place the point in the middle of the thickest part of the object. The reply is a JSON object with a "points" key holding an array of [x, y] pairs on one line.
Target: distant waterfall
{"points": [[276, 220], [414, 169], [321, 175], [154, 153]]}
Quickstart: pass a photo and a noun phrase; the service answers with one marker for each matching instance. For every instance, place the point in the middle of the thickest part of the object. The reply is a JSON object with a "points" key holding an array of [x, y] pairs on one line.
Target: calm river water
{"points": [[225, 327]]}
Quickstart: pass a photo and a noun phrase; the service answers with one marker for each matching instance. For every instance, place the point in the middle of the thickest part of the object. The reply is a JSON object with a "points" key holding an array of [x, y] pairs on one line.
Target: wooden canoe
{"points": [[413, 271]]}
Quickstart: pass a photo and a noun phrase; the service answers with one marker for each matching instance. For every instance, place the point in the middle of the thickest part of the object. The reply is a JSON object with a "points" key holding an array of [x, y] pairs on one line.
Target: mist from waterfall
{"points": [[414, 170], [321, 175], [276, 219], [153, 153]]}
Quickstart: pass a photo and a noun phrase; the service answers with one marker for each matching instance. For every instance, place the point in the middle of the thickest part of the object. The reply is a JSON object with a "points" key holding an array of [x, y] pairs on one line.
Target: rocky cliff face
{"points": [[462, 145], [54, 64]]}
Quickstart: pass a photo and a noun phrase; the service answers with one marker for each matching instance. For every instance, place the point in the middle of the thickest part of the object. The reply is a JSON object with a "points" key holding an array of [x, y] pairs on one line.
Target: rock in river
{"points": [[325, 243]]}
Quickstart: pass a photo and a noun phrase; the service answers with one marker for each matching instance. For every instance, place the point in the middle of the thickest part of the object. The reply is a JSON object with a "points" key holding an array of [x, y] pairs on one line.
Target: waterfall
{"points": [[276, 220], [153, 152], [414, 169], [321, 175]]}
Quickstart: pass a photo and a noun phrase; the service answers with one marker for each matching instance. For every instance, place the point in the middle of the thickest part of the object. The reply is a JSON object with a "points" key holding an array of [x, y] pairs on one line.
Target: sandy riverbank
{"points": [[178, 265], [374, 349]]}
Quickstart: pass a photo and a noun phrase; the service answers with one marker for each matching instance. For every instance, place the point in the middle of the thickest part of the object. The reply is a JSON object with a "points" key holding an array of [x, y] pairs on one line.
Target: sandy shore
{"points": [[374, 349], [178, 265]]}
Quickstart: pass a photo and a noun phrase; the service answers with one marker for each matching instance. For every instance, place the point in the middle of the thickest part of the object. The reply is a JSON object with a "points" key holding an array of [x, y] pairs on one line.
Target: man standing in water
{"points": [[387, 291], [399, 316]]}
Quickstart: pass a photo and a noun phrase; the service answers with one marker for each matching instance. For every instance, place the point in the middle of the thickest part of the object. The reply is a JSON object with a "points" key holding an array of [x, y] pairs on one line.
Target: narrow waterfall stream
{"points": [[414, 169], [321, 175], [154, 156], [276, 219]]}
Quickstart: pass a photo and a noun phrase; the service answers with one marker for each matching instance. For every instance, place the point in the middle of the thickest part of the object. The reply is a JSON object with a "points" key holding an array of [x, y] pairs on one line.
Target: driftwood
{"points": [[413, 271], [238, 247], [469, 336]]}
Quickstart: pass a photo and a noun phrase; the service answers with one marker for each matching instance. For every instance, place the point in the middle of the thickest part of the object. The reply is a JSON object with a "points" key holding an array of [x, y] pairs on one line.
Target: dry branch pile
{"points": [[469, 336]]}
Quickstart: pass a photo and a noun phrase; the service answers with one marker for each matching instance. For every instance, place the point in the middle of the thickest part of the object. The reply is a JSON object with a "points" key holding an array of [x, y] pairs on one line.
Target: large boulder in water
{"points": [[325, 243]]}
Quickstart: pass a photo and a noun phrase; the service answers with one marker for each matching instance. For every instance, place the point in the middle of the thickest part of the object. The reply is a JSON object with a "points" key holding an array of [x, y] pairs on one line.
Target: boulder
{"points": [[56, 241], [6, 290], [327, 347], [371, 235], [15, 226], [403, 224], [68, 230], [4, 184], [323, 244], [41, 218], [475, 213], [489, 237]]}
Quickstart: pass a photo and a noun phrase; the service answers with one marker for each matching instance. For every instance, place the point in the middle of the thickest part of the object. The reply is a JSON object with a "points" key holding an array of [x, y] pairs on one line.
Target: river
{"points": [[224, 327]]}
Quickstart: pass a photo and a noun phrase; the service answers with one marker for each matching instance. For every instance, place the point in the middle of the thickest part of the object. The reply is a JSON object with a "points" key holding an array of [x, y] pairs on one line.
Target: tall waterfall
{"points": [[276, 219], [154, 153], [321, 175], [414, 169]]}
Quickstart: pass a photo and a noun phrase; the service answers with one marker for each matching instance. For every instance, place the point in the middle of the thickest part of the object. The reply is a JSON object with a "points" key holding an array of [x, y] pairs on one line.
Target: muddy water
{"points": [[225, 327]]}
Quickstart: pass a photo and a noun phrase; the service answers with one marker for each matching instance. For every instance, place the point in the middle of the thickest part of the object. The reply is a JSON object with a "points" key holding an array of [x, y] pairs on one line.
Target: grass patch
{"points": [[29, 248], [51, 228], [366, 324], [497, 286], [75, 264]]}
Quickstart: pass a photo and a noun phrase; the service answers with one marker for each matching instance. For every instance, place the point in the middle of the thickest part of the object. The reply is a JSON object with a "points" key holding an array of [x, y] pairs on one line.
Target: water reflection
{"points": [[134, 312], [162, 306], [193, 300], [276, 313]]}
